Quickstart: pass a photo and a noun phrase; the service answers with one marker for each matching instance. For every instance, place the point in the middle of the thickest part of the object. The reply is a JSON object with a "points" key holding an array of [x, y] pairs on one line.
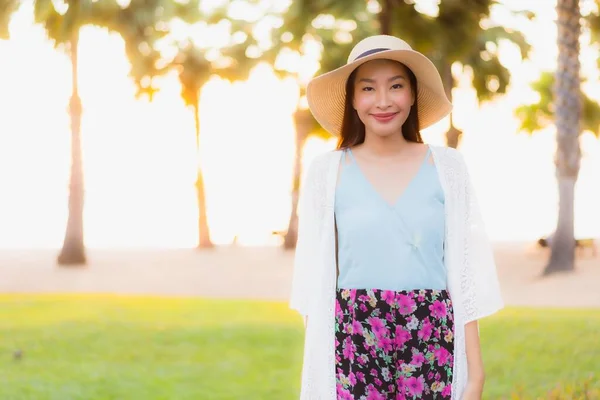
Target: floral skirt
{"points": [[393, 345]]}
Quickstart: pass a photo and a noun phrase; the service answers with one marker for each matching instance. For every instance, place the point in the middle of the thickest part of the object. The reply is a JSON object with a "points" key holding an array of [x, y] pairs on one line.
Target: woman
{"points": [[393, 267]]}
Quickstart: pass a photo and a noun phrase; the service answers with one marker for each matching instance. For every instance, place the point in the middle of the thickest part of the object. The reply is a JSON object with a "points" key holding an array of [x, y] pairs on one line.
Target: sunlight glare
{"points": [[140, 159]]}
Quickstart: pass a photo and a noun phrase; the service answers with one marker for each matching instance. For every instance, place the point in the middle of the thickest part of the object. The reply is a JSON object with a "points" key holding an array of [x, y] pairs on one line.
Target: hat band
{"points": [[369, 52]]}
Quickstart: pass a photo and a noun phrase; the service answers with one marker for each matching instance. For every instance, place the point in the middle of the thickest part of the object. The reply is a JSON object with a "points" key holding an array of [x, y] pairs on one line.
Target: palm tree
{"points": [[7, 8], [195, 69], [136, 22], [141, 24], [62, 27], [539, 115], [458, 35], [298, 27], [568, 111], [546, 111]]}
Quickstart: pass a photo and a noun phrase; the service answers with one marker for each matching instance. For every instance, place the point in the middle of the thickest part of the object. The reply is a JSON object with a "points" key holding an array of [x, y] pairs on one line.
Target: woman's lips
{"points": [[384, 117]]}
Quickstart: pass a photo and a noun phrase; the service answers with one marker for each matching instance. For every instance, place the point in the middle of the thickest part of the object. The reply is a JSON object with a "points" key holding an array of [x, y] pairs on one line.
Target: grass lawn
{"points": [[109, 347]]}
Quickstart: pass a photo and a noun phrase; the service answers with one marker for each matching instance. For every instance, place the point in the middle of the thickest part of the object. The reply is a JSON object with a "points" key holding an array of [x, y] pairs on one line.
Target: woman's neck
{"points": [[385, 147]]}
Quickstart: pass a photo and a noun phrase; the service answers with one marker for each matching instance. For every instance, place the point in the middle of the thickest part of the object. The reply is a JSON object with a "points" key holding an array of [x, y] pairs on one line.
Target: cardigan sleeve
{"points": [[303, 278], [479, 280]]}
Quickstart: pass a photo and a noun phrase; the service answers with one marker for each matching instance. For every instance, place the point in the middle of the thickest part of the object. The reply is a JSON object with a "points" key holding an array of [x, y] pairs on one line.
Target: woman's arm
{"points": [[475, 370]]}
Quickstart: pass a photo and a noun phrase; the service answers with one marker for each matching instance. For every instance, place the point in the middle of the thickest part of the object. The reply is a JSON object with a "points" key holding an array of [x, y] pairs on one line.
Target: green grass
{"points": [[109, 347]]}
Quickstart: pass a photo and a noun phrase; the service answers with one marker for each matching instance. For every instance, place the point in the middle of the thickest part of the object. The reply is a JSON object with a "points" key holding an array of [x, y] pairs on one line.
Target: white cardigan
{"points": [[472, 278]]}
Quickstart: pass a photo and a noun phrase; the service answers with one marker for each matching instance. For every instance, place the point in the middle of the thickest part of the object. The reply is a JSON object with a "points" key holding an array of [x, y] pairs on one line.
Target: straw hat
{"points": [[326, 93]]}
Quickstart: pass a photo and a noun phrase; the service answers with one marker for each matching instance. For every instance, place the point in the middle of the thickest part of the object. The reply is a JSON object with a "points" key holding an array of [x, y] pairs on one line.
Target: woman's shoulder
{"points": [[447, 155]]}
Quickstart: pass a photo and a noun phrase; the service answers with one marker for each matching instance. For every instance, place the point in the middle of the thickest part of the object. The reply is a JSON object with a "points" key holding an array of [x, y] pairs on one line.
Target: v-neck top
{"points": [[385, 246]]}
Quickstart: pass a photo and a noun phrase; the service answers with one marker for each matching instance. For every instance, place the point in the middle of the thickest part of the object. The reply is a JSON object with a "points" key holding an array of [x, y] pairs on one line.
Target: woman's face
{"points": [[382, 97]]}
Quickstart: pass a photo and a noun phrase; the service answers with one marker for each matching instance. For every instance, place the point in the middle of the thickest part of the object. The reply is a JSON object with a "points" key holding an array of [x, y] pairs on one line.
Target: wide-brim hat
{"points": [[326, 93]]}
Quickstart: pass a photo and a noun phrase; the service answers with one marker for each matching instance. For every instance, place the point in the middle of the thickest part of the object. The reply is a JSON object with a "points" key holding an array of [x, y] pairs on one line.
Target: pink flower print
{"points": [[338, 310], [421, 298], [374, 372], [353, 295], [389, 296], [402, 336], [415, 386], [357, 328], [389, 317], [401, 383], [438, 376], [360, 376], [426, 330], [385, 344], [417, 360], [378, 382], [344, 394], [373, 394], [447, 391], [352, 378], [363, 308], [377, 325], [349, 349], [347, 328], [406, 304], [438, 309], [363, 359], [441, 355], [400, 396]]}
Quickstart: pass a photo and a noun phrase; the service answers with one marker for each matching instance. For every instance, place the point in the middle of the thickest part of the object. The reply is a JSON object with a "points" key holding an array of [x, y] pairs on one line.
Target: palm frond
{"points": [[7, 9]]}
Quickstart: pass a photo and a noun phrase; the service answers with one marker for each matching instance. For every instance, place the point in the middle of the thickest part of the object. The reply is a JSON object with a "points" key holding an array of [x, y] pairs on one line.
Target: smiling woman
{"points": [[393, 264], [380, 82]]}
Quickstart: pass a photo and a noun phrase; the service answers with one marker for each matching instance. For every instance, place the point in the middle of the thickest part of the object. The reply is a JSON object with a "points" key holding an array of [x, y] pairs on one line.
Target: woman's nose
{"points": [[383, 99]]}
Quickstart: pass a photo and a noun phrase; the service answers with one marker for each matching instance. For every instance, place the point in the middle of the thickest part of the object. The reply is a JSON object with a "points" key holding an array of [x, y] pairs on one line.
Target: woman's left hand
{"points": [[473, 391]]}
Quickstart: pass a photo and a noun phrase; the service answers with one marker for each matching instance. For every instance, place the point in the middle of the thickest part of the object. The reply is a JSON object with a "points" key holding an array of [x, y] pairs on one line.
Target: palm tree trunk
{"points": [[567, 92], [385, 17], [453, 134], [73, 250], [204, 241], [302, 119]]}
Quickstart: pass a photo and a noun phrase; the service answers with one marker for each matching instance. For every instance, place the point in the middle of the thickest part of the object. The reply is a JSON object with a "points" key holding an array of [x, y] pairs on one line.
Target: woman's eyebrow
{"points": [[393, 78]]}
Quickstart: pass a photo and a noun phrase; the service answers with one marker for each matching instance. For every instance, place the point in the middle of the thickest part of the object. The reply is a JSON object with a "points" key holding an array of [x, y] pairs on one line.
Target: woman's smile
{"points": [[384, 117]]}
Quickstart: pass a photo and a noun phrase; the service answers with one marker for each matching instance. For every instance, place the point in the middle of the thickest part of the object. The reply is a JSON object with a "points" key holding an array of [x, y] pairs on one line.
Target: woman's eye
{"points": [[367, 89], [397, 86]]}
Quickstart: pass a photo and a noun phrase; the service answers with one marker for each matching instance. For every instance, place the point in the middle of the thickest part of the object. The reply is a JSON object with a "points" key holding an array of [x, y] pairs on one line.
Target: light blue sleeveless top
{"points": [[390, 247]]}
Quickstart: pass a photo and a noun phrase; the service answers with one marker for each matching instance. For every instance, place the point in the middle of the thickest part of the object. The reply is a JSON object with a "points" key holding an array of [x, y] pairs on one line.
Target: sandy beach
{"points": [[263, 273]]}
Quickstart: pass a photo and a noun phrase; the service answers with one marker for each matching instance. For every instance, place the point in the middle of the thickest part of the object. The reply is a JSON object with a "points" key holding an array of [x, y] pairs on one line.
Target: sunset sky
{"points": [[139, 157]]}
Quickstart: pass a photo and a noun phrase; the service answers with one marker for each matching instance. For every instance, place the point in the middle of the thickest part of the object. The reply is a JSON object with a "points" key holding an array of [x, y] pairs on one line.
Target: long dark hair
{"points": [[353, 129]]}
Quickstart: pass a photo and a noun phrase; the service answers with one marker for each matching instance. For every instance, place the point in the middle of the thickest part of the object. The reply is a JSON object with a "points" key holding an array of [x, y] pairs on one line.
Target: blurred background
{"points": [[151, 155]]}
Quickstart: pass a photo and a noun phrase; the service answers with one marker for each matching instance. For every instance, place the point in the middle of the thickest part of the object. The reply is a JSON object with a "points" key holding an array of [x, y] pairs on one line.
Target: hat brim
{"points": [[326, 94]]}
